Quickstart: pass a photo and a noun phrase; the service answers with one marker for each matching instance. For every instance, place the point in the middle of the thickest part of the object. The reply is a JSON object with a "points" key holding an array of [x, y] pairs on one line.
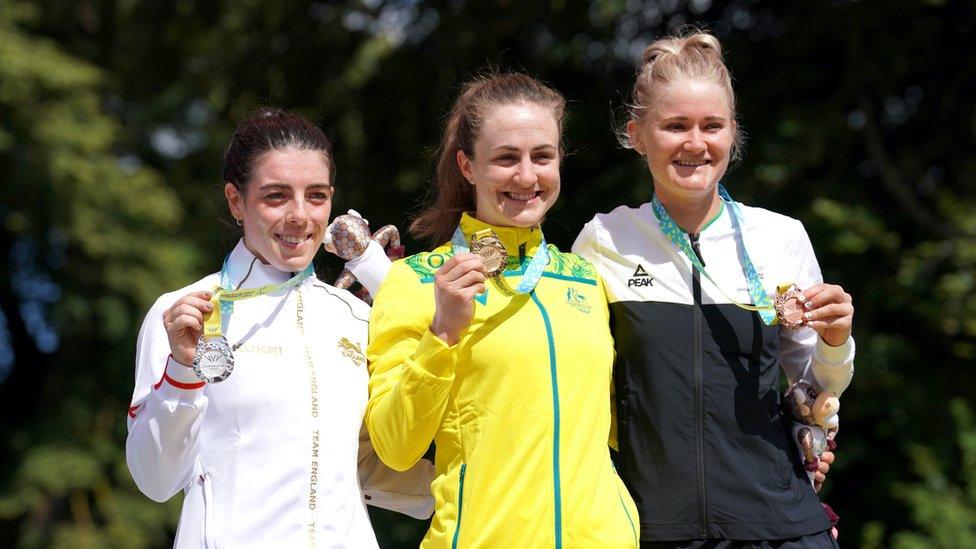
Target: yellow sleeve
{"points": [[411, 370], [613, 416], [612, 439]]}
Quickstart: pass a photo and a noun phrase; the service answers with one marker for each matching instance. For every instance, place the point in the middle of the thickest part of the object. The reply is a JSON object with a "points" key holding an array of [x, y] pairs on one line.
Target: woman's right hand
{"points": [[455, 284], [184, 324]]}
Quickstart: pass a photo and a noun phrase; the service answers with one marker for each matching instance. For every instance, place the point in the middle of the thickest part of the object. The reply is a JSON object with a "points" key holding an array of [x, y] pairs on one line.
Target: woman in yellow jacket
{"points": [[502, 358]]}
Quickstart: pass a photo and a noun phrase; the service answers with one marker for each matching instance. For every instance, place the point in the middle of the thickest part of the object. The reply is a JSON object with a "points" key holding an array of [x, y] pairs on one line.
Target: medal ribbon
{"points": [[763, 303], [533, 272], [223, 298]]}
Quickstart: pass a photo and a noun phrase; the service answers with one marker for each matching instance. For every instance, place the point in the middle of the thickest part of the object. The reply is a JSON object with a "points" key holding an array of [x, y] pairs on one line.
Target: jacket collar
{"points": [[241, 262], [512, 237]]}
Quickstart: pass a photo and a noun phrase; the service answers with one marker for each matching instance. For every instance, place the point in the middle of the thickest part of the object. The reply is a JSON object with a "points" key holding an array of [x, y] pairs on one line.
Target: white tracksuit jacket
{"points": [[268, 457]]}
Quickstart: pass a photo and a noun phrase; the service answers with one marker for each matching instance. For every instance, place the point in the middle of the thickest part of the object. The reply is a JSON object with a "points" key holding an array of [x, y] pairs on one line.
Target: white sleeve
{"points": [[165, 415], [802, 353], [371, 268], [587, 244], [406, 492]]}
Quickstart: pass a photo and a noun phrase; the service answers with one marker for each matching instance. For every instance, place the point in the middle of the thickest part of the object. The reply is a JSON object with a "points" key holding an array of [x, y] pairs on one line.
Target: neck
{"points": [[254, 252], [692, 213]]}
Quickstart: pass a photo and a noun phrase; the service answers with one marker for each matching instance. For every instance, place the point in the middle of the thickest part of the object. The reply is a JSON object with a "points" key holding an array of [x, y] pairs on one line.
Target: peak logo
{"points": [[640, 278]]}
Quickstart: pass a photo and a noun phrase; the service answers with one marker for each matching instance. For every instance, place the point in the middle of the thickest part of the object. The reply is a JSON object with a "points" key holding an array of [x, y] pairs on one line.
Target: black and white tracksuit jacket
{"points": [[704, 447]]}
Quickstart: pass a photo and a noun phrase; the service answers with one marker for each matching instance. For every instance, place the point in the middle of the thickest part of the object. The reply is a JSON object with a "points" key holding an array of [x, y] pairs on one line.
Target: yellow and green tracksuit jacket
{"points": [[518, 409]]}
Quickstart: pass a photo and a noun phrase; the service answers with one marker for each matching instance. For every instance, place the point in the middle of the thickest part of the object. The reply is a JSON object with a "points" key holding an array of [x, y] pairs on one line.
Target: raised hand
{"points": [[184, 324], [455, 284], [828, 310]]}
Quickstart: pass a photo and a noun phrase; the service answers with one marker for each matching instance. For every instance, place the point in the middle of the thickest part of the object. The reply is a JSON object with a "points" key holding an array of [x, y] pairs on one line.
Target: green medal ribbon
{"points": [[223, 298], [763, 304]]}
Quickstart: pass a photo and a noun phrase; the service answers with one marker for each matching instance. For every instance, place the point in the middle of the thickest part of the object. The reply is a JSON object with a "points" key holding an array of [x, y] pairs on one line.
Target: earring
{"points": [[240, 222]]}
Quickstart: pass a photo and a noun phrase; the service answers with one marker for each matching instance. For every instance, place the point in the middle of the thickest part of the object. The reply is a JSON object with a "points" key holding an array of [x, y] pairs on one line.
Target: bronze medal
{"points": [[789, 310], [492, 253]]}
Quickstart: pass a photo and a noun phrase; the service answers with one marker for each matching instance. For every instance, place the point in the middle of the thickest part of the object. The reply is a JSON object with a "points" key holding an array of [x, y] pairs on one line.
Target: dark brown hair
{"points": [[453, 194], [267, 129]]}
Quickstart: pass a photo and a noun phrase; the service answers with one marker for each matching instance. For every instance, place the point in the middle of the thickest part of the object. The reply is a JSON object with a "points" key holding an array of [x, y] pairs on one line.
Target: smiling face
{"points": [[285, 207], [515, 166], [686, 139]]}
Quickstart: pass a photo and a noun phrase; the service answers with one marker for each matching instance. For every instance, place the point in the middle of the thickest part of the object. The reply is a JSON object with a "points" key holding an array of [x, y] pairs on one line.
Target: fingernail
{"points": [[808, 304], [800, 297], [808, 315]]}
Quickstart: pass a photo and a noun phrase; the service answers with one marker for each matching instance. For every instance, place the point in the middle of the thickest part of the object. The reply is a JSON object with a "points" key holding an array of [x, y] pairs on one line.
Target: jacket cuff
{"points": [[371, 268], [181, 377], [833, 367], [835, 356], [435, 356]]}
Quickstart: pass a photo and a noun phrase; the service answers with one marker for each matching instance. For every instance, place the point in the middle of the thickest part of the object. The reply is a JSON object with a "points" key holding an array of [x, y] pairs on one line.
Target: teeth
{"points": [[691, 162], [293, 239], [517, 196]]}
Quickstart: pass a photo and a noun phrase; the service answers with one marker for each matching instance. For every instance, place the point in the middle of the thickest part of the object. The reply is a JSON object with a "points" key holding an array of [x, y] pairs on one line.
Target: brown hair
{"points": [[267, 129], [453, 194], [695, 55]]}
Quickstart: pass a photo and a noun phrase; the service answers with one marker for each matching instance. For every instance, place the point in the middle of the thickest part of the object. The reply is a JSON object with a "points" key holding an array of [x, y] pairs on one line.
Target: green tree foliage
{"points": [[861, 123]]}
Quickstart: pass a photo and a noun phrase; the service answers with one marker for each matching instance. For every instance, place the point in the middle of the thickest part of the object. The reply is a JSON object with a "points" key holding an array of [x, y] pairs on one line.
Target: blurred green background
{"points": [[861, 123]]}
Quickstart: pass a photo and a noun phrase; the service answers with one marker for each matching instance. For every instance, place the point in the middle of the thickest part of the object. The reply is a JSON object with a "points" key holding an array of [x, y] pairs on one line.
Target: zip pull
{"points": [[695, 247]]}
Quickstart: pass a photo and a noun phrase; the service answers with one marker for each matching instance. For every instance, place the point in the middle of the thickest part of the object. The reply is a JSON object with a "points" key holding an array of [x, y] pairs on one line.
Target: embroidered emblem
{"points": [[352, 351], [577, 300], [640, 278]]}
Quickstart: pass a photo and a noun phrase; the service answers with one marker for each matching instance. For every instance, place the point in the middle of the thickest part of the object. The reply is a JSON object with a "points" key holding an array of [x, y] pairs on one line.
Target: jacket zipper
{"points": [[699, 389], [557, 490], [457, 525]]}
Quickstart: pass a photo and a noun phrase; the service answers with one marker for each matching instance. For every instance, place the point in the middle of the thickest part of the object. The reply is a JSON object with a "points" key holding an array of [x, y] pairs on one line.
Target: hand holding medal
{"points": [[184, 325], [456, 283], [829, 310]]}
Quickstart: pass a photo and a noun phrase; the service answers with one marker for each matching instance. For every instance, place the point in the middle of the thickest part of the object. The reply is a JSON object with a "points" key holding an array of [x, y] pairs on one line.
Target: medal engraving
{"points": [[492, 253], [213, 360], [789, 310]]}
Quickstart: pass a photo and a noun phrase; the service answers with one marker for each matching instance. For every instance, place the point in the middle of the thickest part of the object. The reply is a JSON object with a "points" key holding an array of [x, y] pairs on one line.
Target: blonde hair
{"points": [[453, 194], [694, 56]]}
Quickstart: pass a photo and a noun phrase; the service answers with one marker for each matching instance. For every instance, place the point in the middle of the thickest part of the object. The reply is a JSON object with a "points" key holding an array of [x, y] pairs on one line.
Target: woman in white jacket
{"points": [[273, 455]]}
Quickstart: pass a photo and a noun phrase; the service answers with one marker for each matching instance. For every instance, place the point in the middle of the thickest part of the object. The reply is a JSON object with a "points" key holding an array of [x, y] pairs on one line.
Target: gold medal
{"points": [[487, 246], [789, 310]]}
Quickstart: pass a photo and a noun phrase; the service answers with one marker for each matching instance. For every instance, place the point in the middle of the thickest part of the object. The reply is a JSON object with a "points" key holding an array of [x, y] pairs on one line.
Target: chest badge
{"points": [[352, 351], [640, 278], [577, 301]]}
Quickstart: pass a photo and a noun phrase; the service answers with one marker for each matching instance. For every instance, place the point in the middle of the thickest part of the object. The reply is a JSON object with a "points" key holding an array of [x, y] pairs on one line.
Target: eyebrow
{"points": [[683, 118], [284, 186], [514, 148]]}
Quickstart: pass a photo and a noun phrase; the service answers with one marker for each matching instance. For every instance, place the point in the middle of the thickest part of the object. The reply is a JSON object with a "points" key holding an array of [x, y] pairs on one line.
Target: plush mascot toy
{"points": [[816, 414], [348, 236]]}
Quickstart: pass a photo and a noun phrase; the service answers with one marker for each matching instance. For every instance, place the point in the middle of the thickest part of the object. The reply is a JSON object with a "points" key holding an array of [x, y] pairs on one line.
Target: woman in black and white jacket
{"points": [[703, 444]]}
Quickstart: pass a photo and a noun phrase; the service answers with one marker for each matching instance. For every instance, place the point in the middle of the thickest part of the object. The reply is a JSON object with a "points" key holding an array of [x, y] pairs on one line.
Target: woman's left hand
{"points": [[829, 311]]}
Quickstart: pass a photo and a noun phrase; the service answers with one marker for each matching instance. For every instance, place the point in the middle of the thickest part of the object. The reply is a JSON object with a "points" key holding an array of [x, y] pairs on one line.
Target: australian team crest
{"points": [[578, 301], [352, 351]]}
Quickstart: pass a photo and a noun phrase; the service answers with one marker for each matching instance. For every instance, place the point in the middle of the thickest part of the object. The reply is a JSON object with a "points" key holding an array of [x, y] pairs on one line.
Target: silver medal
{"points": [[213, 360]]}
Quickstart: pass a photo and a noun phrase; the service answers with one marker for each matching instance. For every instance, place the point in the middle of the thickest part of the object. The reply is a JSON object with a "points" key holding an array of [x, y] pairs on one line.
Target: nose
{"points": [[695, 141], [297, 213], [526, 174]]}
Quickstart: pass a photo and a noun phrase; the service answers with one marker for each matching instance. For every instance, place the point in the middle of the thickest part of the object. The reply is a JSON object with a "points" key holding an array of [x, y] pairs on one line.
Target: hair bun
{"points": [[705, 44], [659, 49]]}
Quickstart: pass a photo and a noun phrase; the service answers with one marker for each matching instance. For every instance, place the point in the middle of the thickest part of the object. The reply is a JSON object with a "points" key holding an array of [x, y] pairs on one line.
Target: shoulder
{"points": [[569, 265], [357, 307], [423, 265], [623, 228], [621, 218], [756, 218]]}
